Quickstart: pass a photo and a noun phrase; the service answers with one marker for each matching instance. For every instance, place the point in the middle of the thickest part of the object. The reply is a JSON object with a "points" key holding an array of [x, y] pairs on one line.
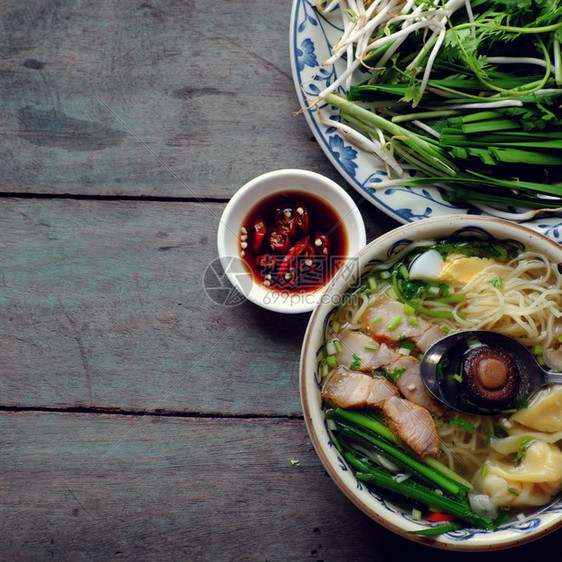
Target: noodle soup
{"points": [[452, 470]]}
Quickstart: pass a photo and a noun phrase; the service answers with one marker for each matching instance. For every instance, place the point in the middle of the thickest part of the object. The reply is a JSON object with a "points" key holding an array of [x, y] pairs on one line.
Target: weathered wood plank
{"points": [[188, 99], [103, 487], [103, 304]]}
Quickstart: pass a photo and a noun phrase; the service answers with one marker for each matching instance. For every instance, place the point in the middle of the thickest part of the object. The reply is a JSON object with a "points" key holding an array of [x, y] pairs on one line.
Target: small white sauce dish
{"points": [[246, 198]]}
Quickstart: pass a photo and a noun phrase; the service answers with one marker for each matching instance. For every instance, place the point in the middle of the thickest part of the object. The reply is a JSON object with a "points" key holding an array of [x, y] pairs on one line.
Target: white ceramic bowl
{"points": [[538, 522], [246, 198]]}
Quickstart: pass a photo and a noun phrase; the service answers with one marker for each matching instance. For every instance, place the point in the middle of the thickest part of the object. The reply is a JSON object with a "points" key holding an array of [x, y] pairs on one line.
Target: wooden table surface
{"points": [[139, 419]]}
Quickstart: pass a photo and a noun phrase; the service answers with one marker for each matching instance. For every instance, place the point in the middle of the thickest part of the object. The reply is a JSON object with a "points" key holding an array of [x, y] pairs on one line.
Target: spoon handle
{"points": [[553, 377]]}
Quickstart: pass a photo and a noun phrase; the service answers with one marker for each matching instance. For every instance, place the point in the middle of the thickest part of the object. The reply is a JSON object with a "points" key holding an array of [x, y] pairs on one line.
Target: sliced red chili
{"points": [[286, 222], [438, 516], [303, 219], [260, 230], [322, 244], [289, 261], [279, 242], [309, 258]]}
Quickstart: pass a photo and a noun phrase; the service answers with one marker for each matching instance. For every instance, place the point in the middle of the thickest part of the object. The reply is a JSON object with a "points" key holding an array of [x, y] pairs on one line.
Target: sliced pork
{"points": [[411, 386], [362, 352], [429, 337], [385, 319], [352, 389], [412, 424]]}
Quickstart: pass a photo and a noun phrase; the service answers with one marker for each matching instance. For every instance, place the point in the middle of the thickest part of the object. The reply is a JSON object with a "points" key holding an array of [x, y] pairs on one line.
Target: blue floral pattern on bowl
{"points": [[312, 36]]}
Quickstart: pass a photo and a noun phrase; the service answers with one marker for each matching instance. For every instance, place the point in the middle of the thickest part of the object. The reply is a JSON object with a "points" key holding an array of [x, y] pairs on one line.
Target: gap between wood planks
{"points": [[148, 413], [80, 197]]}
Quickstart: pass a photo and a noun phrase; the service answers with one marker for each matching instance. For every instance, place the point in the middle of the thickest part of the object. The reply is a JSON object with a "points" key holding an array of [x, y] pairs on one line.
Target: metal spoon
{"points": [[442, 375]]}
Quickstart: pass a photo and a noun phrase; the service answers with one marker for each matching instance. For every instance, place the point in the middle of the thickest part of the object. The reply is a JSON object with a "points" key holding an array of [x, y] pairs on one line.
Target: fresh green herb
{"points": [[441, 367], [356, 362], [395, 374], [406, 343], [522, 450], [474, 106], [513, 491], [463, 422], [391, 376], [497, 282]]}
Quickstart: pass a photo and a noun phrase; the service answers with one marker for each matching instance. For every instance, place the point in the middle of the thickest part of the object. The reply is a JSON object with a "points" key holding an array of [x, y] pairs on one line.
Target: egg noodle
{"points": [[521, 298]]}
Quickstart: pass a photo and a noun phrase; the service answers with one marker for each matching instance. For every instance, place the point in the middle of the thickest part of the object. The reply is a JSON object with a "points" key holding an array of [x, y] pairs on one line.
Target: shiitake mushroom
{"points": [[491, 377]]}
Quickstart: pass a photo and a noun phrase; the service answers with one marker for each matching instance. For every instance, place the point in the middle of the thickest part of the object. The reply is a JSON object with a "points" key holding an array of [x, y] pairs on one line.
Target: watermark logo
{"points": [[217, 285], [227, 282]]}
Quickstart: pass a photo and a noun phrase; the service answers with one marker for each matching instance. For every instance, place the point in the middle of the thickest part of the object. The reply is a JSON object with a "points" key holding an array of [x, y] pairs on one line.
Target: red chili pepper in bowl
{"points": [[321, 244], [289, 261], [260, 230], [286, 221], [303, 219], [279, 242]]}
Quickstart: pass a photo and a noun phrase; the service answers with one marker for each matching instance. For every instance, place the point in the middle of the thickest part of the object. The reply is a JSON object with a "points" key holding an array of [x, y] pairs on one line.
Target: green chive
{"points": [[394, 323]]}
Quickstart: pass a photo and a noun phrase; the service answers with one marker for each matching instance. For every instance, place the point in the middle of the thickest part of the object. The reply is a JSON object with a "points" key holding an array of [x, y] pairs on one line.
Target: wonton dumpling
{"points": [[511, 443], [503, 493], [544, 413], [534, 481]]}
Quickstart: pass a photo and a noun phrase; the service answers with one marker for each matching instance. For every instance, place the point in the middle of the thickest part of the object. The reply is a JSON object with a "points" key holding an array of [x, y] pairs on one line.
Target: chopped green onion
{"points": [[409, 309], [394, 323], [413, 320]]}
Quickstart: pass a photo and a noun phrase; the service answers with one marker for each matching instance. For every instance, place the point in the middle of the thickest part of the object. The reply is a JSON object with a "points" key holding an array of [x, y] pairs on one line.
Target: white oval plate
{"points": [[312, 36]]}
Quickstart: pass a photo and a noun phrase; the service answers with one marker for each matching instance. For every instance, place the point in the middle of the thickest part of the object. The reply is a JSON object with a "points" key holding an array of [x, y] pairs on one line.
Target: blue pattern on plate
{"points": [[313, 36]]}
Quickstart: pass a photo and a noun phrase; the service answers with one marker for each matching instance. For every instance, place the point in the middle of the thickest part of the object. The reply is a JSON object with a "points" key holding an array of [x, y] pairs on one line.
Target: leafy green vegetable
{"points": [[461, 421], [476, 108], [356, 362], [429, 483]]}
